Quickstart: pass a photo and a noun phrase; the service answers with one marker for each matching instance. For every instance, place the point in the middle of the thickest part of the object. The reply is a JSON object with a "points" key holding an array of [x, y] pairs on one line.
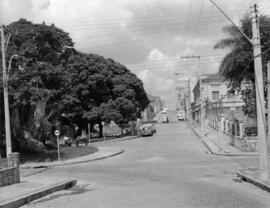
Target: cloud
{"points": [[41, 4], [149, 36]]}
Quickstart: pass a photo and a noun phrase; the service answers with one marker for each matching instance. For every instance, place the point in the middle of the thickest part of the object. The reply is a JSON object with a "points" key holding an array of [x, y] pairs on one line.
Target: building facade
{"points": [[155, 106], [217, 98], [183, 98]]}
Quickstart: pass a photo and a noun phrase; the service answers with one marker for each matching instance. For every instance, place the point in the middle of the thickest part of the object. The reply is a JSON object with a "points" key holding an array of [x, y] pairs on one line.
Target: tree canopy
{"points": [[238, 65], [49, 80]]}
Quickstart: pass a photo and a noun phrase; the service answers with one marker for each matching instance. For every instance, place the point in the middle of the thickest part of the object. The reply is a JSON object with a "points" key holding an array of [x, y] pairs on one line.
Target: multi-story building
{"points": [[217, 98], [183, 97], [155, 105]]}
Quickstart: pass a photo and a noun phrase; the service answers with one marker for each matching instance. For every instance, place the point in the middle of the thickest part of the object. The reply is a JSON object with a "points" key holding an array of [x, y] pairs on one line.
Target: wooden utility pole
{"points": [[261, 122], [188, 102], [5, 89], [201, 96], [259, 95], [268, 101]]}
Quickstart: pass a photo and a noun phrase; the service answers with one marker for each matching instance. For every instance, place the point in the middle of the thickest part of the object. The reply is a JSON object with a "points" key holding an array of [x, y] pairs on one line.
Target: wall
{"points": [[10, 170]]}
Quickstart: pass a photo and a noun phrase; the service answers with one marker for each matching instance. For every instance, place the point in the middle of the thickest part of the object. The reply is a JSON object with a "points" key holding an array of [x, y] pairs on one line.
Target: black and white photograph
{"points": [[135, 103]]}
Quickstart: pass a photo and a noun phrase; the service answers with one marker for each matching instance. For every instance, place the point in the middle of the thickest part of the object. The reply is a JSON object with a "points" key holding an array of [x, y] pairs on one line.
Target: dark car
{"points": [[82, 139], [67, 141], [147, 130]]}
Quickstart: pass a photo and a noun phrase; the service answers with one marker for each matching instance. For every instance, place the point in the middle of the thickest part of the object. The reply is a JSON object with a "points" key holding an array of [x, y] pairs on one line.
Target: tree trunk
{"points": [[40, 121], [100, 130]]}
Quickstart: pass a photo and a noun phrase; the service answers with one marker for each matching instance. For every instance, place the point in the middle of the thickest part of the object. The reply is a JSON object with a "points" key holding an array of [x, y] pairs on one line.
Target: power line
{"points": [[199, 18], [187, 25], [143, 18], [128, 40], [207, 25], [154, 28]]}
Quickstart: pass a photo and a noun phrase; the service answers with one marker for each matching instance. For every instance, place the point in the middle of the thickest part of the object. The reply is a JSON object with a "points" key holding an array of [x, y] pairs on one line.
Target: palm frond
{"points": [[225, 43]]}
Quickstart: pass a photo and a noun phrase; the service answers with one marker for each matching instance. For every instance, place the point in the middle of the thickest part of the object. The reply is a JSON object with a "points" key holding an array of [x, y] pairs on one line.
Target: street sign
{"points": [[57, 132]]}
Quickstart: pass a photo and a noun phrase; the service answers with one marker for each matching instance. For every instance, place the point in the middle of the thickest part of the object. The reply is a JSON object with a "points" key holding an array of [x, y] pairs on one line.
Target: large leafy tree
{"points": [[101, 90], [35, 80], [49, 81], [238, 65]]}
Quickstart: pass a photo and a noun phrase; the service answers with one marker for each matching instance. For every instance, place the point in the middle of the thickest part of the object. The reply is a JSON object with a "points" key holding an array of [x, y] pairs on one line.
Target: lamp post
{"points": [[5, 89], [186, 95], [201, 97]]}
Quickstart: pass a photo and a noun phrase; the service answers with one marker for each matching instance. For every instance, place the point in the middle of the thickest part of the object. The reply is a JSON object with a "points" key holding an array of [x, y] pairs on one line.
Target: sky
{"points": [[150, 37]]}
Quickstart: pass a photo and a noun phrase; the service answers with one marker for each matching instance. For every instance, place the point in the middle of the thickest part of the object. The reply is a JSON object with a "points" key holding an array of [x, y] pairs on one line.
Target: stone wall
{"points": [[10, 170]]}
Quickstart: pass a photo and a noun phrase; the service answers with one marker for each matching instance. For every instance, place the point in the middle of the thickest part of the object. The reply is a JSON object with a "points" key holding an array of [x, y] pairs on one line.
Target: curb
{"points": [[90, 160], [21, 200], [204, 143], [212, 146], [118, 140], [254, 181], [72, 162]]}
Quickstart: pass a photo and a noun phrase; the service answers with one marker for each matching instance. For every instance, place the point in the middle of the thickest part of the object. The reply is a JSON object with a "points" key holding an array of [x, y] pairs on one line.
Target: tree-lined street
{"points": [[145, 103], [170, 169]]}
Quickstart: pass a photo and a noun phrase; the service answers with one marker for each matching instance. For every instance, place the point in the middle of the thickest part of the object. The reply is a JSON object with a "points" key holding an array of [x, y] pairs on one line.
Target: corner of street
{"points": [[219, 145], [34, 187]]}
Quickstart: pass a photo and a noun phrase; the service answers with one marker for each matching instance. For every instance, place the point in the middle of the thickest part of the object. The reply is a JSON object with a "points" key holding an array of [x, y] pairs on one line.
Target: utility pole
{"points": [[261, 122], [188, 102], [5, 89], [268, 101], [259, 94], [201, 97]]}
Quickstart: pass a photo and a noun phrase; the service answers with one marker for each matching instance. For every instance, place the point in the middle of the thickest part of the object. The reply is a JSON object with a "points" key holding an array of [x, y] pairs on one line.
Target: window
{"points": [[215, 95]]}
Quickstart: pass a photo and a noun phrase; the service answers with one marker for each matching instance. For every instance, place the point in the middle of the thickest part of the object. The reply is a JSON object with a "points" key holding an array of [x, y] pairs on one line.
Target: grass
{"points": [[65, 154]]}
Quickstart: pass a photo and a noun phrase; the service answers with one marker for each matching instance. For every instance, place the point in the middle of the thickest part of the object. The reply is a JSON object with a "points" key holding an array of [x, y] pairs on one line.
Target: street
{"points": [[140, 104], [170, 169]]}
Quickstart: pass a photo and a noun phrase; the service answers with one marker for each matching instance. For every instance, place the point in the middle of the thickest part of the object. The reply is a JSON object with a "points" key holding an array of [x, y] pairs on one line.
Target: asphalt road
{"points": [[169, 169]]}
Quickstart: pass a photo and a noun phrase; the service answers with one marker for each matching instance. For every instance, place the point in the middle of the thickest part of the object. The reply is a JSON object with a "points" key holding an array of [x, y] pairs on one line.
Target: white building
{"points": [[216, 96]]}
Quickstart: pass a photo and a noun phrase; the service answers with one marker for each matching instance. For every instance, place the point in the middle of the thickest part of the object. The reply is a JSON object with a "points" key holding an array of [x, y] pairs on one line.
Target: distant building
{"points": [[183, 97], [155, 105]]}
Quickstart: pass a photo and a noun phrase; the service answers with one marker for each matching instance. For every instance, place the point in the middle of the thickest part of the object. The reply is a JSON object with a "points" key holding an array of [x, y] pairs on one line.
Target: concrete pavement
{"points": [[218, 145], [31, 188], [34, 187], [170, 169]]}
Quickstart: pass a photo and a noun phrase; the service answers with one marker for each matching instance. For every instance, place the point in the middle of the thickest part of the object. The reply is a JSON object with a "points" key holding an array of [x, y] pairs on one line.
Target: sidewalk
{"points": [[103, 153], [218, 145], [31, 188]]}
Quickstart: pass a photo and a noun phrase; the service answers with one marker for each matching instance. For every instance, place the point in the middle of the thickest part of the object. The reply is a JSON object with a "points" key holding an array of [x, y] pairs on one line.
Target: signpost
{"points": [[103, 129], [57, 133]]}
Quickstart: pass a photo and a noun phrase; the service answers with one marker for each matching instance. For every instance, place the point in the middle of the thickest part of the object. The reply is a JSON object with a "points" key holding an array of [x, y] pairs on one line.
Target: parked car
{"points": [[180, 117], [82, 139], [147, 130], [67, 141]]}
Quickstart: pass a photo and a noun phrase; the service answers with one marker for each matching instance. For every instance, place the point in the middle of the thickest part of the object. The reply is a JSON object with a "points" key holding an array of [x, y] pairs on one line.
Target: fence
{"points": [[240, 134]]}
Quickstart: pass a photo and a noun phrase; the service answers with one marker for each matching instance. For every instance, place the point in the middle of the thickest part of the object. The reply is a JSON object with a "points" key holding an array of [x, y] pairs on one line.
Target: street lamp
{"points": [[9, 64], [201, 98], [6, 102]]}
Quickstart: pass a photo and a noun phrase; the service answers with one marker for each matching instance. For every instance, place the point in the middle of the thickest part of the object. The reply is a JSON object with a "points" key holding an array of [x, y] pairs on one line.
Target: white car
{"points": [[180, 117]]}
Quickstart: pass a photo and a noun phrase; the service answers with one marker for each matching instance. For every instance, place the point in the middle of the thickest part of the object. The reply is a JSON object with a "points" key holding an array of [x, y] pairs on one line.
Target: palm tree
{"points": [[238, 64]]}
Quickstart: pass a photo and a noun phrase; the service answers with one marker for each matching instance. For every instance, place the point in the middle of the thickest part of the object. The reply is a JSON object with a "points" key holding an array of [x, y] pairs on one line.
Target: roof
{"points": [[215, 76]]}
